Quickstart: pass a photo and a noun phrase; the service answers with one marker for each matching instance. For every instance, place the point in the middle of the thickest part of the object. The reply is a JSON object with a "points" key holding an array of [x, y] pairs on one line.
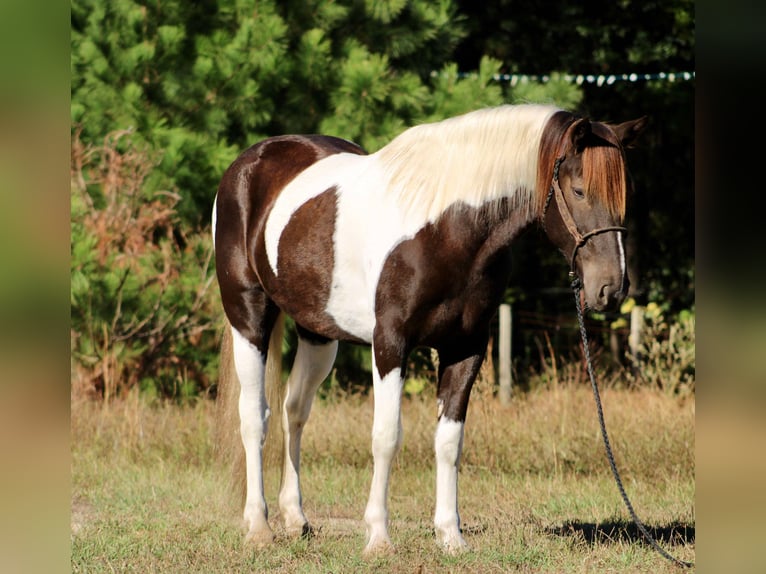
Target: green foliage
{"points": [[144, 309], [195, 83], [666, 358], [192, 80], [557, 91]]}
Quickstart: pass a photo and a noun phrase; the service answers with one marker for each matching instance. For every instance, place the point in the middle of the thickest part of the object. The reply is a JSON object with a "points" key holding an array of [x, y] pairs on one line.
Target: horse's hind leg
{"points": [[251, 330], [313, 362], [250, 362]]}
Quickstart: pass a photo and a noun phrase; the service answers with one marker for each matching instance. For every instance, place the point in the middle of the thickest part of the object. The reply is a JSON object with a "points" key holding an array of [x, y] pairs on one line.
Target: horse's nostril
{"points": [[608, 294]]}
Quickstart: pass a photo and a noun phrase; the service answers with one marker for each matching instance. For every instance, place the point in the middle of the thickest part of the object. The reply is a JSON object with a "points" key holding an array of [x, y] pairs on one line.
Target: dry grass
{"points": [[535, 488]]}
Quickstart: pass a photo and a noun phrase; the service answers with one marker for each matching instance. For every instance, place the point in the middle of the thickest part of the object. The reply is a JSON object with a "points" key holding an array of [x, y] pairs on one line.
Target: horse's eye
{"points": [[578, 192]]}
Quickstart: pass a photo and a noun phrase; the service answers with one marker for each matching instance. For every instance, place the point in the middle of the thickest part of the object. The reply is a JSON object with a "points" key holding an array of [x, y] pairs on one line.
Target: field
{"points": [[536, 492]]}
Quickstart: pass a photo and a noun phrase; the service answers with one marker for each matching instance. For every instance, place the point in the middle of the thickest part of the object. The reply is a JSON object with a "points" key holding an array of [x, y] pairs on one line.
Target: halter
{"points": [[569, 222]]}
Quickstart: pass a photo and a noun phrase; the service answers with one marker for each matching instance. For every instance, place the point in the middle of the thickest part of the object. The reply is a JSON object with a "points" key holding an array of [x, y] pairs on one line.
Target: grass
{"points": [[536, 493]]}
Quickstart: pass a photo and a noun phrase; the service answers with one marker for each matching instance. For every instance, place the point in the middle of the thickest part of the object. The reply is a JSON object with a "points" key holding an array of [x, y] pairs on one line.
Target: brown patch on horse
{"points": [[306, 264], [442, 286]]}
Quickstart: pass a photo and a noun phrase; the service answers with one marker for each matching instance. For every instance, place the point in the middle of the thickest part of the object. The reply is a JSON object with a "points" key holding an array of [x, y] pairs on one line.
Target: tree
{"points": [[199, 82]]}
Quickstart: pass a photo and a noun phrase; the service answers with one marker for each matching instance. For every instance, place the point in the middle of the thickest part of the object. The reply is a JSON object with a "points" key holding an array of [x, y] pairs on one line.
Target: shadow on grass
{"points": [[624, 531]]}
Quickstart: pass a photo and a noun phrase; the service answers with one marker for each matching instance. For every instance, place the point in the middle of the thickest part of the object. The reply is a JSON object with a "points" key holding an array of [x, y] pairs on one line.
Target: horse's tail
{"points": [[273, 448], [228, 442]]}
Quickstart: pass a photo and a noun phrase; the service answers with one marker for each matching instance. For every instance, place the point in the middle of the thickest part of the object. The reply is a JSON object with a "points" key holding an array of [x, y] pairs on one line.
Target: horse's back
{"points": [[255, 178]]}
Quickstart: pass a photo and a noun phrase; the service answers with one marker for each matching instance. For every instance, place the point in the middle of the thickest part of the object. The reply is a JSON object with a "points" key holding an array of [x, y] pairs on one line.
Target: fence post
{"points": [[504, 354], [636, 327]]}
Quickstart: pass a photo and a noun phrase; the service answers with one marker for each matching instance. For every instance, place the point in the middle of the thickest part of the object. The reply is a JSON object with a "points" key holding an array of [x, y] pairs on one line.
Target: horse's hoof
{"points": [[380, 547], [452, 544], [259, 538], [304, 530], [456, 548]]}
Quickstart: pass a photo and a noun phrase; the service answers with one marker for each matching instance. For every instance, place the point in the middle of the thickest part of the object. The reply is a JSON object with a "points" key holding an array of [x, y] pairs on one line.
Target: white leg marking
{"points": [[311, 366], [448, 445], [386, 439], [254, 414]]}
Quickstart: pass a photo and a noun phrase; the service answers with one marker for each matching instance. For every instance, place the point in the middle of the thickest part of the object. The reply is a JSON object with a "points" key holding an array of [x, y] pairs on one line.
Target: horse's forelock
{"points": [[603, 163], [605, 177]]}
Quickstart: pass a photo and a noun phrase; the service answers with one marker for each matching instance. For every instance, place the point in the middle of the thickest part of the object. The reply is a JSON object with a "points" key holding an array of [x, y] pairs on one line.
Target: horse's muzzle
{"points": [[607, 297]]}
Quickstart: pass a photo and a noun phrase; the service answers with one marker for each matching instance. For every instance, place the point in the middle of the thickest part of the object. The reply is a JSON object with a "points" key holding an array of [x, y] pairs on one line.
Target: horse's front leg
{"points": [[456, 377], [313, 362], [386, 440], [250, 363]]}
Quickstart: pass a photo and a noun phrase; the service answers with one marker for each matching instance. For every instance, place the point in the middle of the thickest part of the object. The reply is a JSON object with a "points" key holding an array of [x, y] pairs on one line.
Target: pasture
{"points": [[536, 493]]}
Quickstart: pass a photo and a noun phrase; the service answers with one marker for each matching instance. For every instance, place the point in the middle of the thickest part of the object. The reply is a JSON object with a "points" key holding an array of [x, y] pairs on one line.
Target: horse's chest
{"points": [[440, 284]]}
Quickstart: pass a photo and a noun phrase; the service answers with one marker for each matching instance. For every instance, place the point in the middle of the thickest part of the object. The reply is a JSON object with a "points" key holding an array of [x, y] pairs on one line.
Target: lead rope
{"points": [[576, 286]]}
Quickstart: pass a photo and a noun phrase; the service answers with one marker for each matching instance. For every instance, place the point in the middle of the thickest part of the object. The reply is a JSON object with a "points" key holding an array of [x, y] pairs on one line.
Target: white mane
{"points": [[474, 158]]}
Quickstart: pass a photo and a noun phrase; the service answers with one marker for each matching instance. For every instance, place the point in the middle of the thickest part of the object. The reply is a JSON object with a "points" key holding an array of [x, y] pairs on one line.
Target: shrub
{"points": [[143, 308], [666, 357]]}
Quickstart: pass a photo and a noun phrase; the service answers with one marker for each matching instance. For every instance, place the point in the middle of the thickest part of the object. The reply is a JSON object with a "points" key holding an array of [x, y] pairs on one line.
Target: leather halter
{"points": [[569, 222]]}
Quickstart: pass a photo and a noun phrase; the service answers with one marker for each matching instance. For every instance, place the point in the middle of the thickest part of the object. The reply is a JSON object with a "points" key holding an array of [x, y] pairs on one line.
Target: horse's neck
{"points": [[505, 224]]}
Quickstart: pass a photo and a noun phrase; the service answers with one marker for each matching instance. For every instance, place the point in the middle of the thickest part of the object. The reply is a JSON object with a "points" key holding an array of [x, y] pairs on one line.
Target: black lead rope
{"points": [[576, 286]]}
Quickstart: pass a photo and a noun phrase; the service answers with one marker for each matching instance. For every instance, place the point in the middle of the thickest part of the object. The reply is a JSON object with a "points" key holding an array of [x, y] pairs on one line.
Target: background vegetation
{"points": [[166, 94]]}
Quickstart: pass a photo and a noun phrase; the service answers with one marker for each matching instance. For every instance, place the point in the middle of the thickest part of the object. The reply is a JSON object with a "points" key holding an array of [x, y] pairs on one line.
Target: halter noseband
{"points": [[569, 222]]}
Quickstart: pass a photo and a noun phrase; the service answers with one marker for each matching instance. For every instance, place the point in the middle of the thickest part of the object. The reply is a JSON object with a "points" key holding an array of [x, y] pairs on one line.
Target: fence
{"points": [[504, 344]]}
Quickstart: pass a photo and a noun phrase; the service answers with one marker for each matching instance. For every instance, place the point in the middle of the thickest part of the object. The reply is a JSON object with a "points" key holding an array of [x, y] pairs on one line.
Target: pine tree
{"points": [[199, 82]]}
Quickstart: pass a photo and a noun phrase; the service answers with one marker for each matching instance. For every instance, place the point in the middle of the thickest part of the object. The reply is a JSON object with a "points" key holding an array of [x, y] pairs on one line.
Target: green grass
{"points": [[148, 496]]}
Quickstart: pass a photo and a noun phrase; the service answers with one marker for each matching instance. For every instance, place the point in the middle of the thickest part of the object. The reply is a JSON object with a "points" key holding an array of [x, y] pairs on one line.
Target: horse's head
{"points": [[585, 207]]}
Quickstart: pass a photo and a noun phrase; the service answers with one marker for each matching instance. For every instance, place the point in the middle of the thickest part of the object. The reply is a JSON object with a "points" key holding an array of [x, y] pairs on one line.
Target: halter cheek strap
{"points": [[569, 222]]}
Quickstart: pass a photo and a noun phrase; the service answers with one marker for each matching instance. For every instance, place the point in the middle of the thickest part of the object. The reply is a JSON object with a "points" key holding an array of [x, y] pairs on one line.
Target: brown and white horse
{"points": [[405, 247]]}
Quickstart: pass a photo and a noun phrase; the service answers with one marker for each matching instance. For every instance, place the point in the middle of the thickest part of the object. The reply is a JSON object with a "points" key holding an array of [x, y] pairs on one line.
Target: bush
{"points": [[666, 357], [144, 310]]}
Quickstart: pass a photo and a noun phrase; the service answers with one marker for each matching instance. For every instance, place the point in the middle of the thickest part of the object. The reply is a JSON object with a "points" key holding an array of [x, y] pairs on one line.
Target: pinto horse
{"points": [[406, 247]]}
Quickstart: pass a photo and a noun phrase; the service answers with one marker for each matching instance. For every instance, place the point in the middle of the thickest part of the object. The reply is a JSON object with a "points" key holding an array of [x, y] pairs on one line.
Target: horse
{"points": [[402, 248]]}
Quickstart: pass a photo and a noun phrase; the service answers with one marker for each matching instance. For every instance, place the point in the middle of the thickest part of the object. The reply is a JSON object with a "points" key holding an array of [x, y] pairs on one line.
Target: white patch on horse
{"points": [[314, 180], [311, 366], [368, 226]]}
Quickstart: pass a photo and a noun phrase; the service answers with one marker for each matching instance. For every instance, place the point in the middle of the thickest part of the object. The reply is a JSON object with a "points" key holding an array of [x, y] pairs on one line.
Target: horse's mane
{"points": [[473, 158], [503, 152]]}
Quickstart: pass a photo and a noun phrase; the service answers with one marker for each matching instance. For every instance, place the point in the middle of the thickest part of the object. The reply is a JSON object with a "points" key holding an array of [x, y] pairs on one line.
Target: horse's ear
{"points": [[628, 132], [579, 131]]}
